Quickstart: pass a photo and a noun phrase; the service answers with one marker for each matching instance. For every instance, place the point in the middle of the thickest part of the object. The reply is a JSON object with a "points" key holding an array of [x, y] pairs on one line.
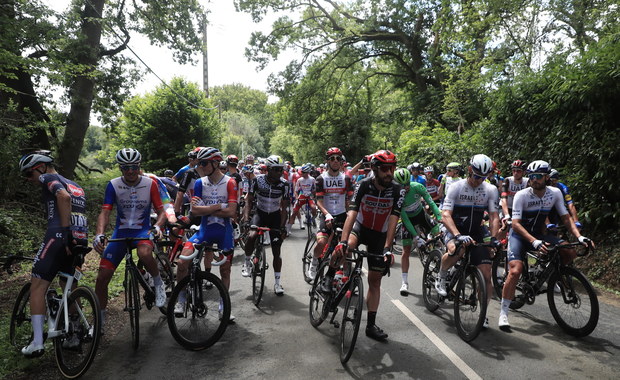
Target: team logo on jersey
{"points": [[75, 191]]}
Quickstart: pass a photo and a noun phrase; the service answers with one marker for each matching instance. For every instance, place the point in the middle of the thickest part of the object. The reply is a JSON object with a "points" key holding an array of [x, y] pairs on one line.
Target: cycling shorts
{"points": [[375, 242], [422, 220], [271, 220], [478, 255], [52, 257], [115, 251], [517, 246], [302, 201], [323, 230], [214, 234]]}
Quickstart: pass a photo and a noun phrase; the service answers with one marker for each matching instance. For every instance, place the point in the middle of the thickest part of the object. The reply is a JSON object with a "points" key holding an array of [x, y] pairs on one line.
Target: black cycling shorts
{"points": [[374, 242], [52, 257], [338, 220], [270, 220]]}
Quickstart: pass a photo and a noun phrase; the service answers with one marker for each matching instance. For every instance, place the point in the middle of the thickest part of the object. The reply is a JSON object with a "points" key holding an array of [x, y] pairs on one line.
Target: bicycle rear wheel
{"points": [[20, 329], [575, 306], [76, 349], [351, 318], [206, 314], [397, 245], [259, 268], [319, 302], [307, 257], [430, 274], [132, 304], [470, 304]]}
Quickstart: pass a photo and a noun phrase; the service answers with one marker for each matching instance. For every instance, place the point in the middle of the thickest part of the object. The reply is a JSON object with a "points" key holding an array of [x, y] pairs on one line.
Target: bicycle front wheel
{"points": [[319, 302], [499, 272], [470, 304], [20, 329], [205, 315], [259, 267], [397, 245], [573, 302], [76, 349], [307, 257], [132, 304], [429, 276], [351, 318]]}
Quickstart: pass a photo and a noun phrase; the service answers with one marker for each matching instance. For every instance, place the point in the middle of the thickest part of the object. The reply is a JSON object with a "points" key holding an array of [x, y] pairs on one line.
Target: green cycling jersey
{"points": [[412, 206]]}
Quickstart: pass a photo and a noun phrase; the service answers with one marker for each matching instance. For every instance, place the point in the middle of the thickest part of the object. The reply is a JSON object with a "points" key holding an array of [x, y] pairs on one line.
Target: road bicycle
{"points": [[259, 262], [466, 287], [308, 255], [73, 318], [571, 298], [206, 311], [351, 289]]}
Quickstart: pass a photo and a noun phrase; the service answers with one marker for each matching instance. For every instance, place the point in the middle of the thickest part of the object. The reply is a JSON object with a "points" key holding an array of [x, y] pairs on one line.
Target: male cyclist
{"points": [[305, 187], [191, 158], [530, 209], [432, 184], [371, 220], [133, 195], [463, 210], [510, 186], [272, 198], [215, 202], [416, 173], [554, 179], [333, 189], [66, 227], [412, 215], [453, 172]]}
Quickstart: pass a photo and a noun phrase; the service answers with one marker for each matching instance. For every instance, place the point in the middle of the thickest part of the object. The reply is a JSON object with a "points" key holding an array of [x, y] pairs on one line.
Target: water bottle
{"points": [[52, 302], [338, 280]]}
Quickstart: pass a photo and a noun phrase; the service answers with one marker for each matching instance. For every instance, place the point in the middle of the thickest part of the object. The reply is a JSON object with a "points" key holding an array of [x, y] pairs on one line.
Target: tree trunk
{"points": [[82, 89]]}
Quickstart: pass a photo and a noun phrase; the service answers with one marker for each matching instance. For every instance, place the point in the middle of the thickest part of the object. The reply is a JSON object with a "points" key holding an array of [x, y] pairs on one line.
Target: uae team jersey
{"points": [[375, 206], [533, 210], [52, 184], [510, 188], [133, 203], [468, 204], [268, 195], [334, 191], [225, 191]]}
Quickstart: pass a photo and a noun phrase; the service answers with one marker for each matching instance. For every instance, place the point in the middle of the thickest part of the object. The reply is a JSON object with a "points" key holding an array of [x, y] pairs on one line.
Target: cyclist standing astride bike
{"points": [[271, 192], [530, 208], [371, 220], [305, 187], [133, 195], [66, 228], [463, 210], [215, 201]]}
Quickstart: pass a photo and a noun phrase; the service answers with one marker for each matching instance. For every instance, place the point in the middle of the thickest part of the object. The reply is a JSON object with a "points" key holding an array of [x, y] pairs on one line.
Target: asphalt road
{"points": [[277, 341]]}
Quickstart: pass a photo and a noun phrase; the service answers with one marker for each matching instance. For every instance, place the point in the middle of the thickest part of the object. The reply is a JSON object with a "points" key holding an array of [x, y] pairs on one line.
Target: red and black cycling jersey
{"points": [[374, 206]]}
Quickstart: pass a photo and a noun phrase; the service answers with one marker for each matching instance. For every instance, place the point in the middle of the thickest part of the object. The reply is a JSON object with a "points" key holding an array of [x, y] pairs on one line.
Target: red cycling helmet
{"points": [[232, 159], [333, 151], [383, 157], [518, 164]]}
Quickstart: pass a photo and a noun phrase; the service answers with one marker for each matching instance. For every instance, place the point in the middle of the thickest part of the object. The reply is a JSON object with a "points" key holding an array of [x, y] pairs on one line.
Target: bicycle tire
{"points": [[20, 328], [307, 258], [259, 268], [73, 362], [568, 306], [132, 304], [470, 304], [200, 326], [319, 303], [397, 245], [430, 274], [351, 318], [499, 272]]}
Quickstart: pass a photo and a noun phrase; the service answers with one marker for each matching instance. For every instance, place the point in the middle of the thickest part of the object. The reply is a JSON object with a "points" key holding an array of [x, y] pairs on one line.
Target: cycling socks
{"points": [[37, 327], [405, 278], [157, 280], [505, 306], [372, 316], [278, 278]]}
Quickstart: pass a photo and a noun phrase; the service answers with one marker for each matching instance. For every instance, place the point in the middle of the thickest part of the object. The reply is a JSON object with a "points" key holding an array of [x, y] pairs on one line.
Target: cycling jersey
{"points": [[419, 179], [305, 186], [412, 206], [374, 206], [510, 188], [179, 175], [447, 181], [568, 199], [225, 191], [533, 210], [468, 205], [171, 187], [53, 183], [432, 186], [188, 181], [163, 194], [268, 195], [236, 176], [334, 191], [133, 202]]}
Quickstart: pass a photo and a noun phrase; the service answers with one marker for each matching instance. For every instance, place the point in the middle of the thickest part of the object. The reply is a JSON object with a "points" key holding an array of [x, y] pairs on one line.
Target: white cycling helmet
{"points": [[274, 161], [209, 154], [428, 169], [538, 166], [128, 156], [31, 160], [481, 164]]}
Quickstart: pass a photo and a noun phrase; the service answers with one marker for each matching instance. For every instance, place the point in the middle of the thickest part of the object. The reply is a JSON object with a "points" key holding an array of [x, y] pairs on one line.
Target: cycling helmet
{"points": [[307, 168], [518, 164], [168, 173], [31, 160], [416, 166], [428, 169], [481, 164], [209, 154], [453, 166], [333, 151], [128, 156], [538, 166], [322, 166], [402, 176], [223, 165], [249, 157], [275, 161], [554, 174], [232, 159], [262, 167], [383, 157]]}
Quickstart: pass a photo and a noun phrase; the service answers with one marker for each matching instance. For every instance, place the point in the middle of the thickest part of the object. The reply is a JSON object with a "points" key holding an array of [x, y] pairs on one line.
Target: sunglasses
{"points": [[479, 177], [536, 176], [27, 173], [335, 158], [387, 168], [204, 163], [129, 167]]}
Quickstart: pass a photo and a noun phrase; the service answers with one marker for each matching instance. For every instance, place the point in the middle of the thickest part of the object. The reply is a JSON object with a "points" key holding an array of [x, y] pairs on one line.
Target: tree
{"points": [[167, 123], [242, 135]]}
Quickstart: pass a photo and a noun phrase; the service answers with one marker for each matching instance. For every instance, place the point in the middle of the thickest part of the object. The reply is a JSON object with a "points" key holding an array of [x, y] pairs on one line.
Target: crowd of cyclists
{"points": [[464, 205]]}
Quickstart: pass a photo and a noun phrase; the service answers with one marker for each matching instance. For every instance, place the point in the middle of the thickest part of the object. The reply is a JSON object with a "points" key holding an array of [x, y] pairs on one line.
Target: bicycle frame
{"points": [[53, 322]]}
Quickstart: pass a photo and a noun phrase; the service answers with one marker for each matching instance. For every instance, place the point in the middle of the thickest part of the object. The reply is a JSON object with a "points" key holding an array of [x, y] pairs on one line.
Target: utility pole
{"points": [[205, 58]]}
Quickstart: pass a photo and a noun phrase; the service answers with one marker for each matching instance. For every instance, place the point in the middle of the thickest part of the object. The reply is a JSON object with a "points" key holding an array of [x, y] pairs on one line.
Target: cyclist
{"points": [[134, 195], [66, 227], [463, 210], [554, 179], [272, 199], [453, 174], [191, 157], [416, 173], [215, 202], [510, 187], [432, 184], [530, 209], [371, 220], [333, 190], [305, 187], [412, 215]]}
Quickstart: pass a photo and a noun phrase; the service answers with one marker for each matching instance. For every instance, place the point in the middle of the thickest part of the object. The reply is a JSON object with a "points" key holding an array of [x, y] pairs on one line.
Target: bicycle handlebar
{"points": [[204, 246]]}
